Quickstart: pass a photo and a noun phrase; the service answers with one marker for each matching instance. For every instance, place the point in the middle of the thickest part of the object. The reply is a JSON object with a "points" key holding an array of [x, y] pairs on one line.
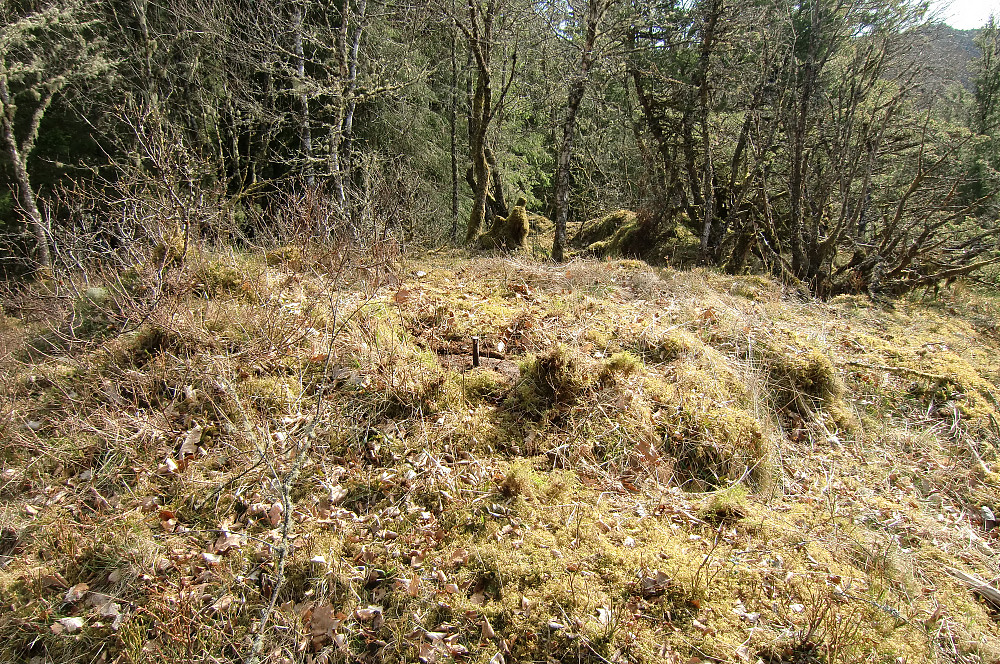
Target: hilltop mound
{"points": [[648, 465]]}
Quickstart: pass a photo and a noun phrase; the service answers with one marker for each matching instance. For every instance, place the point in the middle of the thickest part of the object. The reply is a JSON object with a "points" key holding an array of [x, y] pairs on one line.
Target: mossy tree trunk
{"points": [[43, 51], [477, 147], [305, 130], [479, 27], [453, 127], [18, 157]]}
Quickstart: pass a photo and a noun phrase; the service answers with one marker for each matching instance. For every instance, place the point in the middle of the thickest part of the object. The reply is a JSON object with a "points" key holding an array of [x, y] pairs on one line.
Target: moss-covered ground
{"points": [[289, 458]]}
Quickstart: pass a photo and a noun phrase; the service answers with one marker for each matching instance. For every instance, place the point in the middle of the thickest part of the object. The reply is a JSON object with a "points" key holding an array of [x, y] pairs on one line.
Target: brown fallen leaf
{"points": [[274, 514], [189, 445], [368, 613], [323, 621], [227, 541], [76, 593], [460, 557], [54, 580], [223, 603]]}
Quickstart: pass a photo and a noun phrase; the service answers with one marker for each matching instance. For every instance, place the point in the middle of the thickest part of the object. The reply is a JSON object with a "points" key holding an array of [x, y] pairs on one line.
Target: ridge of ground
{"points": [[288, 457]]}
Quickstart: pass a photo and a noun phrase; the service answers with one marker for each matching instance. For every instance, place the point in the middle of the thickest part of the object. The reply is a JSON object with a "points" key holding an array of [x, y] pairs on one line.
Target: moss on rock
{"points": [[510, 233]]}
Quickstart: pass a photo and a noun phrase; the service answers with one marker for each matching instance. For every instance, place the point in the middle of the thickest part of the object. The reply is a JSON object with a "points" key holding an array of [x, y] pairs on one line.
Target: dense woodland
{"points": [[849, 145]]}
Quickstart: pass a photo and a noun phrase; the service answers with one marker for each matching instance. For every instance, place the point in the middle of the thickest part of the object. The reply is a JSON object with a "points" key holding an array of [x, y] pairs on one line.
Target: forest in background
{"points": [[846, 144]]}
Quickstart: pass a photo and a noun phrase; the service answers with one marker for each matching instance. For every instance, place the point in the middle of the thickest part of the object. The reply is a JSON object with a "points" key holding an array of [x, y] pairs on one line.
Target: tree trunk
{"points": [[595, 9], [352, 85], [562, 172], [19, 162], [453, 126], [305, 131], [480, 167]]}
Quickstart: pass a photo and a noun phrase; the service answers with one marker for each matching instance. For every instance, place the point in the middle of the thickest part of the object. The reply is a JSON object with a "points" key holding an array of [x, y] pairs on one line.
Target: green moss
{"points": [[169, 251], [727, 505], [271, 395], [718, 445], [215, 277], [803, 378], [620, 365], [616, 234], [669, 346], [290, 256], [959, 383], [484, 385]]}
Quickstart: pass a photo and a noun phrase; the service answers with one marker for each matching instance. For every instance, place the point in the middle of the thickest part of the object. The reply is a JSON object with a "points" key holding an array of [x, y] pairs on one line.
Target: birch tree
{"points": [[594, 15], [45, 48]]}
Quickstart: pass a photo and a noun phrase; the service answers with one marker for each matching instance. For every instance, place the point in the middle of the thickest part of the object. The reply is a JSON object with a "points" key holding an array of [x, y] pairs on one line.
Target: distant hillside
{"points": [[948, 53]]}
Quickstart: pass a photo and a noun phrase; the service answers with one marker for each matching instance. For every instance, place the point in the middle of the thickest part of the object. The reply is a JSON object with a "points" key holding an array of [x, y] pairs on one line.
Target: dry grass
{"points": [[285, 458]]}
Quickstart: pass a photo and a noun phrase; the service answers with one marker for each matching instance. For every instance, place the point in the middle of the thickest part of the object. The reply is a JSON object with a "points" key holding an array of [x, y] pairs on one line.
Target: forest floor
{"points": [[650, 465]]}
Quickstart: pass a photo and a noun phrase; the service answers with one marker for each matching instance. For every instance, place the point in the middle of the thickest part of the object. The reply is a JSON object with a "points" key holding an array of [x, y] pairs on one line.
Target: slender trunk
{"points": [[800, 261], [496, 200], [708, 179], [347, 146], [562, 172], [305, 131], [18, 160], [335, 161], [480, 167], [595, 9], [26, 197], [453, 122]]}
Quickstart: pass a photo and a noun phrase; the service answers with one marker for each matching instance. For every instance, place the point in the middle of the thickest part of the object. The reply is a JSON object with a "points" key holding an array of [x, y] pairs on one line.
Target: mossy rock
{"points": [[540, 224], [510, 233], [619, 234]]}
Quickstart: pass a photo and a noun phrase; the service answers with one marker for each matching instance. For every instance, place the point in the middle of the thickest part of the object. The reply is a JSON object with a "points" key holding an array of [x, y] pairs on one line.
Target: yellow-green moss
{"points": [[669, 346], [271, 395], [510, 233], [620, 365], [803, 378]]}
